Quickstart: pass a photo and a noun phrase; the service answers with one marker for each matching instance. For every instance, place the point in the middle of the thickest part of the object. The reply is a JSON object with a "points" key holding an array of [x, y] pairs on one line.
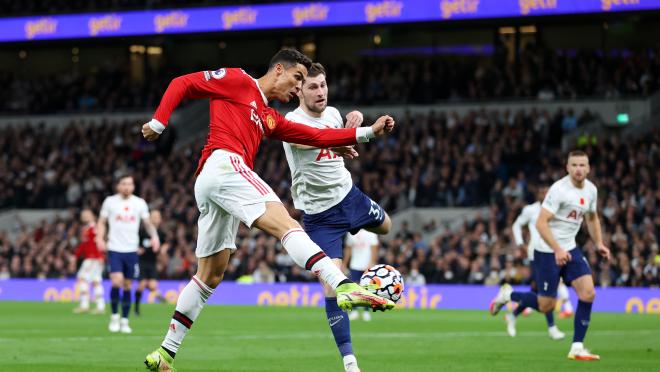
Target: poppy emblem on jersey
{"points": [[219, 74], [581, 201], [126, 208], [270, 122]]}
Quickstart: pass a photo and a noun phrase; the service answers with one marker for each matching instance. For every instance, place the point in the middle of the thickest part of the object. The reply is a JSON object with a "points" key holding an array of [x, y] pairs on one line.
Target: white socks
{"points": [[188, 306], [308, 255], [563, 295], [83, 287], [98, 296]]}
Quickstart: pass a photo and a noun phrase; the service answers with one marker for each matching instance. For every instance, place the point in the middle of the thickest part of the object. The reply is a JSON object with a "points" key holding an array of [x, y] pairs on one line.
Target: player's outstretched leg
{"points": [[503, 297], [190, 303], [304, 252], [584, 286]]}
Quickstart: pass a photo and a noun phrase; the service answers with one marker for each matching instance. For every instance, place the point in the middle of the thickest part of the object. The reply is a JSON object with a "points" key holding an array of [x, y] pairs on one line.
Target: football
{"points": [[383, 280]]}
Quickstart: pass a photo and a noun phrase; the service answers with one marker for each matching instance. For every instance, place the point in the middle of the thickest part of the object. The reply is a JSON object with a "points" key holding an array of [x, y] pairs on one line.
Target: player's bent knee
{"points": [[588, 295], [546, 306], [212, 279]]}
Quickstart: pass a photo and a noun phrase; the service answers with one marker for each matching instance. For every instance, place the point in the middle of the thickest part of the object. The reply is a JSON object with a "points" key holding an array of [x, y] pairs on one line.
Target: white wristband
{"points": [[156, 126], [364, 134]]}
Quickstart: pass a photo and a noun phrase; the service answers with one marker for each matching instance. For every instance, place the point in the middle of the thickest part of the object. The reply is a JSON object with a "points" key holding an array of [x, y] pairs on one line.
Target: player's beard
{"points": [[315, 108]]}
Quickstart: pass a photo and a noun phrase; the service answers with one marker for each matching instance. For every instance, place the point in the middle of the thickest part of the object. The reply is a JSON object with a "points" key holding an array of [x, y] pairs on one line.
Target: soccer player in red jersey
{"points": [[91, 268], [227, 191]]}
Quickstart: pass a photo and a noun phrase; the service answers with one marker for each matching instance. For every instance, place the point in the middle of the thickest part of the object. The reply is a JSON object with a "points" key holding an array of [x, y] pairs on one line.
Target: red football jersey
{"points": [[240, 115], [87, 246]]}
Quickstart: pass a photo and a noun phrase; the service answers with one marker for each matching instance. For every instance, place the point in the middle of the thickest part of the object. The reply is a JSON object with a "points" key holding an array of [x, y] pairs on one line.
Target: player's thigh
{"points": [[227, 182], [130, 266], [85, 272], [115, 268], [216, 229], [365, 213], [382, 229], [577, 269], [275, 219], [328, 291], [547, 274]]}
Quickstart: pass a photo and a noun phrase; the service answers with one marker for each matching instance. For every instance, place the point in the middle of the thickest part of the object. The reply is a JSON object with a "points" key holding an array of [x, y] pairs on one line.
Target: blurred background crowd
{"points": [[492, 159]]}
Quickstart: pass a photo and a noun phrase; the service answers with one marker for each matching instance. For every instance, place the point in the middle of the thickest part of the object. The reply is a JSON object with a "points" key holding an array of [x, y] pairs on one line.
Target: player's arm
{"points": [[354, 119], [593, 225], [517, 226], [100, 232], [291, 132], [198, 85], [153, 234], [543, 226]]}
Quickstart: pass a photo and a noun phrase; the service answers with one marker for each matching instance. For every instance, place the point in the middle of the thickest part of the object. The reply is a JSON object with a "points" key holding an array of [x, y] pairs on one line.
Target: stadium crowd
{"points": [[481, 159], [541, 74]]}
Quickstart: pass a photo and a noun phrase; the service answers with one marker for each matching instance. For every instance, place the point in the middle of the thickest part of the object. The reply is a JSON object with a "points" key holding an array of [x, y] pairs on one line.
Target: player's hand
{"points": [[100, 244], [140, 251], [603, 251], [155, 244], [562, 257], [384, 124], [346, 152], [148, 133], [354, 119]]}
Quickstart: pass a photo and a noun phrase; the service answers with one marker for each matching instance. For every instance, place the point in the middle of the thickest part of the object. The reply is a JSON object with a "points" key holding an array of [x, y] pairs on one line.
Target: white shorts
{"points": [[227, 192], [91, 270]]}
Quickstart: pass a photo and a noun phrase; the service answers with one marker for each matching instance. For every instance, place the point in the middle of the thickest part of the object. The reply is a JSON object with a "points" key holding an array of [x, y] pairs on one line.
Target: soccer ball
{"points": [[383, 280]]}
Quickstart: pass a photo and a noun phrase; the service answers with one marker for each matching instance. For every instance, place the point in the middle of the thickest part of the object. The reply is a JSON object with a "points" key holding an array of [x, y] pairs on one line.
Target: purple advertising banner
{"points": [[294, 15], [465, 297]]}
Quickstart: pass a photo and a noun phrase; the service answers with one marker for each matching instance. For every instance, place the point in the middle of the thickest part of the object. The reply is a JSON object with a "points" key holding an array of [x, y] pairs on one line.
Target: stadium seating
{"points": [[481, 159], [543, 74]]}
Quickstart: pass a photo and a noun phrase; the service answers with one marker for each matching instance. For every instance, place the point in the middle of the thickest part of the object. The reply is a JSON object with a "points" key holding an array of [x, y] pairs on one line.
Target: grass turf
{"points": [[49, 337]]}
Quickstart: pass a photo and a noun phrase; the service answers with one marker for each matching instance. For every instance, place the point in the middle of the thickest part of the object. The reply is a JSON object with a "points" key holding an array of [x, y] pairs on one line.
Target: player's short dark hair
{"points": [[315, 70], [289, 57], [122, 176], [577, 153]]}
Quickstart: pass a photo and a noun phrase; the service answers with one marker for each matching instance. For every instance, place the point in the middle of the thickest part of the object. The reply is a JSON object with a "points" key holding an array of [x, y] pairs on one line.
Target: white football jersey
{"points": [[124, 217], [319, 178], [361, 244], [569, 204], [528, 216]]}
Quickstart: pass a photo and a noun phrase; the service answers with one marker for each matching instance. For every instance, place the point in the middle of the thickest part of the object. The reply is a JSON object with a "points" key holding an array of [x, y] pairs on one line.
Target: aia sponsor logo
{"points": [[575, 215], [125, 218], [325, 153]]}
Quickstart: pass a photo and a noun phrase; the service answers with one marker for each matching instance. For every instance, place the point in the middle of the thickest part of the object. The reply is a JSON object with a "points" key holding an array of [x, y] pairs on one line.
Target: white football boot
{"points": [[510, 324], [114, 323], [124, 327], [503, 297]]}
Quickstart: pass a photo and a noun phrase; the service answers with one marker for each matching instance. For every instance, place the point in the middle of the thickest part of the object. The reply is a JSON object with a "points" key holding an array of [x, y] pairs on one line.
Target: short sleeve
{"points": [[593, 203], [552, 201], [105, 208], [144, 211]]}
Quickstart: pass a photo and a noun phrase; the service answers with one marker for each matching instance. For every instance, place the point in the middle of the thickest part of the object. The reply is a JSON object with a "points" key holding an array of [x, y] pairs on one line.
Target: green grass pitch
{"points": [[49, 337]]}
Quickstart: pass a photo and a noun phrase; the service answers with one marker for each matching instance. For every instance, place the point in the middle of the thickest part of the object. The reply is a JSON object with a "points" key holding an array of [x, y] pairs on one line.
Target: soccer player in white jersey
{"points": [[527, 218], [123, 213], [566, 205], [323, 189], [360, 253]]}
